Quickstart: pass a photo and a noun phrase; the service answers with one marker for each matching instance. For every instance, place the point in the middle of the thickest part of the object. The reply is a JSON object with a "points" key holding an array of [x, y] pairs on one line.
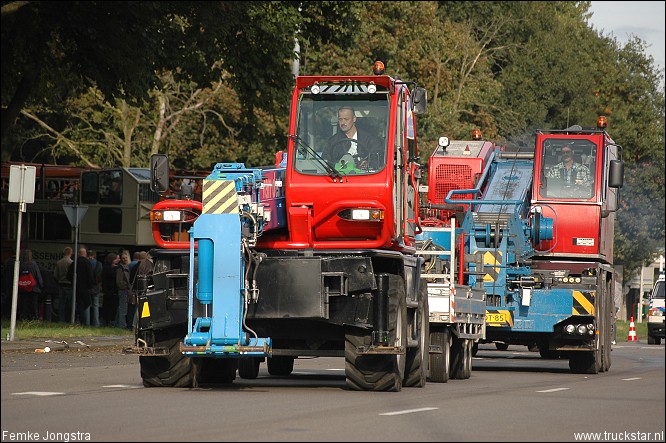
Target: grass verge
{"points": [[43, 329]]}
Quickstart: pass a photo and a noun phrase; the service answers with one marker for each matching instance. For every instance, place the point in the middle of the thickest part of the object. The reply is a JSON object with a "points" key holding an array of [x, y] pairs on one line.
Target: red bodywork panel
{"points": [[580, 230], [314, 202], [177, 236], [458, 166]]}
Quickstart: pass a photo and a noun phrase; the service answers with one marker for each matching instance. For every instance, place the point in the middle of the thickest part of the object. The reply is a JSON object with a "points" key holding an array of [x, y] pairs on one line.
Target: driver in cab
{"points": [[364, 148], [570, 172]]}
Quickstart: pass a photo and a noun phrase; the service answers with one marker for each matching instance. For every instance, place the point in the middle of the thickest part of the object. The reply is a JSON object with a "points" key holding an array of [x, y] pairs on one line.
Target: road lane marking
{"points": [[408, 411], [631, 379], [39, 393], [553, 390], [121, 386]]}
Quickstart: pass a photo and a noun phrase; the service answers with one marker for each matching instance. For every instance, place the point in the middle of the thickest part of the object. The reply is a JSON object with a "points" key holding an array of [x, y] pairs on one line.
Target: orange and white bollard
{"points": [[632, 330]]}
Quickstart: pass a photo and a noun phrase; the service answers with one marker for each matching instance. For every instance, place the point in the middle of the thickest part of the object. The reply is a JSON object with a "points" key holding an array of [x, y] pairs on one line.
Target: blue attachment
{"points": [[232, 211]]}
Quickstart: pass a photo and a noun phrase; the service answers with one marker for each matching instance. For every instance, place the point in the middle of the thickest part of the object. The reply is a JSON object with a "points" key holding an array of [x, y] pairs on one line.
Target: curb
{"points": [[67, 344]]}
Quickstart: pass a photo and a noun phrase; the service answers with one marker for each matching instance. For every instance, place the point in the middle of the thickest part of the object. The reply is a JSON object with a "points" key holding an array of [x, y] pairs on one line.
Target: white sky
{"points": [[623, 19]]}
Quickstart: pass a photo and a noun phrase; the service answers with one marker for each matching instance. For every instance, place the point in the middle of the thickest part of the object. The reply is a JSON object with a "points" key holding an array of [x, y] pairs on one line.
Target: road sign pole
{"points": [[16, 272], [21, 191], [74, 214]]}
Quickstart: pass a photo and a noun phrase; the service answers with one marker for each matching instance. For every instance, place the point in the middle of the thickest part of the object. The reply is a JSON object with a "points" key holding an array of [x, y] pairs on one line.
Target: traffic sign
{"points": [[74, 214], [22, 184]]}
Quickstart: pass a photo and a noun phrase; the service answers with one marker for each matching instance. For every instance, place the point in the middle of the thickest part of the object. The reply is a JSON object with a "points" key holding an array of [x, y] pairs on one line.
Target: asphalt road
{"points": [[513, 395]]}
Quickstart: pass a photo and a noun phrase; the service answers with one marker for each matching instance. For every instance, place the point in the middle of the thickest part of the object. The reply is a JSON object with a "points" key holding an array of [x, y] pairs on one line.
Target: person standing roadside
{"points": [[110, 289], [28, 302], [95, 289], [64, 284], [123, 282], [84, 281], [140, 277]]}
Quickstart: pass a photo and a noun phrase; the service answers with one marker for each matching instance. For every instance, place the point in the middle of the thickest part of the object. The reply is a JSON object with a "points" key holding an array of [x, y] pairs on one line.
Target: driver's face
{"points": [[566, 153], [346, 119]]}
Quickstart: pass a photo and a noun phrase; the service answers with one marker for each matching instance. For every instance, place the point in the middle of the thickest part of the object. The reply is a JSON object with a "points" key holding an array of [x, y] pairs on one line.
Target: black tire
{"points": [[174, 370], [218, 370], [533, 347], [470, 353], [440, 363], [584, 363], [416, 359], [377, 372], [459, 351], [248, 367], [475, 348], [280, 365], [653, 340], [501, 346], [549, 354]]}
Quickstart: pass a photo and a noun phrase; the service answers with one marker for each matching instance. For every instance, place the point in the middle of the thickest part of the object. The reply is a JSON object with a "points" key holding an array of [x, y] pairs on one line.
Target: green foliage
{"points": [[105, 84]]}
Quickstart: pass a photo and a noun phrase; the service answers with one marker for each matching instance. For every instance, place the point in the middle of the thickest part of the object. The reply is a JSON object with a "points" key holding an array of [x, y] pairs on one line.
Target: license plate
{"points": [[498, 318]]}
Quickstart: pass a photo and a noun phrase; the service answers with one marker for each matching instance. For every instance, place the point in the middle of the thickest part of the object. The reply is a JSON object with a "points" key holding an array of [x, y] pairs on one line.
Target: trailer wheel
{"points": [[416, 360], [584, 363], [501, 346], [654, 340], [469, 344], [379, 372], [459, 351], [280, 365], [173, 370], [248, 367], [440, 362]]}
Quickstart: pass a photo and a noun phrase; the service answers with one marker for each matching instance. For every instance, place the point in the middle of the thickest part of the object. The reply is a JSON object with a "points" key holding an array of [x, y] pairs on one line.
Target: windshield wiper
{"points": [[330, 170]]}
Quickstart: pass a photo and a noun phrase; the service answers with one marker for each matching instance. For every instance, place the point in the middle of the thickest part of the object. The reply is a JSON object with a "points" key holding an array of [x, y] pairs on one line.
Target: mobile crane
{"points": [[543, 242], [305, 258]]}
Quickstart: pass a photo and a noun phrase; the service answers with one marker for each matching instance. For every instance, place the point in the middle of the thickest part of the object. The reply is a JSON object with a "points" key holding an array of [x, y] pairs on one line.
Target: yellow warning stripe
{"points": [[490, 260], [583, 303], [145, 310], [219, 197]]}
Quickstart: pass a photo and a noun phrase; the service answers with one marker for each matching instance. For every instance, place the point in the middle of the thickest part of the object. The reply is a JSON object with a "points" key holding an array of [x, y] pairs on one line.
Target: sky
{"points": [[623, 19]]}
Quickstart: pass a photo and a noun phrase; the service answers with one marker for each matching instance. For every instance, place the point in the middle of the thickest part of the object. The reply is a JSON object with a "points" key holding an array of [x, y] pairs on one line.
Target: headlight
{"points": [[581, 329], [569, 329]]}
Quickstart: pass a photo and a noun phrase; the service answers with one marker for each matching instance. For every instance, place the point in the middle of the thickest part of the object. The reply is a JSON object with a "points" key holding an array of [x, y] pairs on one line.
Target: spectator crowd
{"points": [[95, 291]]}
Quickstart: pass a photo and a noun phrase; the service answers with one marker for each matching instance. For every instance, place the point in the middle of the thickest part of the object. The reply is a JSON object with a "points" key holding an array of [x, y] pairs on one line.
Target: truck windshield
{"points": [[568, 168], [343, 134], [658, 289]]}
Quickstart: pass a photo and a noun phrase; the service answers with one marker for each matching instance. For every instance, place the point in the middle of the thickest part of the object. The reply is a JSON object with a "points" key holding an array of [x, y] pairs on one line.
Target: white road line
{"points": [[631, 379], [408, 411], [38, 393], [553, 390], [121, 386]]}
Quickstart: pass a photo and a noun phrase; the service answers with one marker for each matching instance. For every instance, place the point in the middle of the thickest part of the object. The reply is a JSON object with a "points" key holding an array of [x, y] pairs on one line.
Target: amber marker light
{"points": [[601, 122], [378, 67], [476, 134]]}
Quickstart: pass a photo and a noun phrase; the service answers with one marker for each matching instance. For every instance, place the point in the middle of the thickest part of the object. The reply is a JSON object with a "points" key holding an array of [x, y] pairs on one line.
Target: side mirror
{"points": [[616, 174], [159, 173], [420, 100]]}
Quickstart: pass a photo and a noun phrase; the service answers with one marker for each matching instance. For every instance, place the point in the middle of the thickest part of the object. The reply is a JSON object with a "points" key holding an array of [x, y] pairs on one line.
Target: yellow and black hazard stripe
{"points": [[219, 197], [583, 303], [491, 265]]}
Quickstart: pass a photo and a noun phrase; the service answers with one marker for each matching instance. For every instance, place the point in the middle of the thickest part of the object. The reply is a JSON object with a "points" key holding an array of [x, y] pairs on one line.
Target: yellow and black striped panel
{"points": [[219, 197], [583, 303], [491, 262]]}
